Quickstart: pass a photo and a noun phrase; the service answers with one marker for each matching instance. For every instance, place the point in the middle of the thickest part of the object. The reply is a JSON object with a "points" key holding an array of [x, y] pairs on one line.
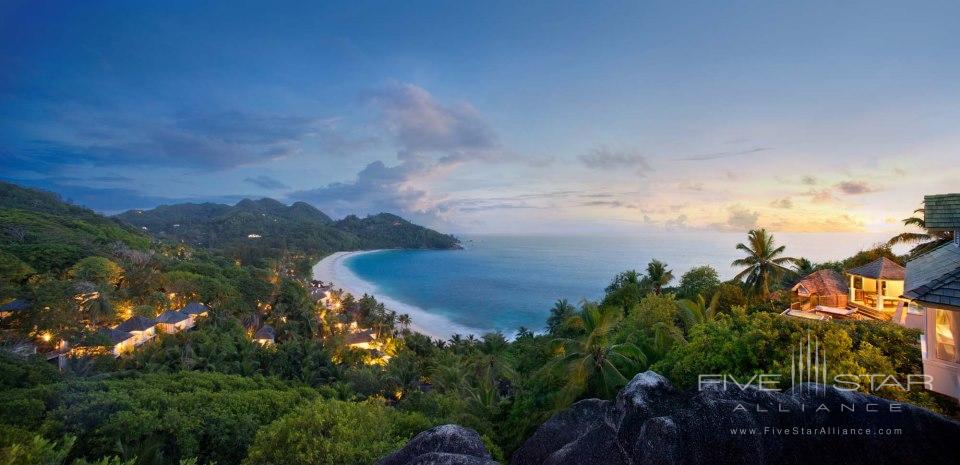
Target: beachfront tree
{"points": [[594, 363], [764, 262], [626, 290], [925, 240], [694, 312], [702, 280], [561, 312], [658, 276]]}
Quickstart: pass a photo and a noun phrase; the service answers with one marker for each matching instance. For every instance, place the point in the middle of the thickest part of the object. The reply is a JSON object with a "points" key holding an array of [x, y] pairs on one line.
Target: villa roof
{"points": [[136, 323], [265, 332], [194, 308], [115, 336], [941, 212], [16, 305], [944, 290], [822, 282], [881, 268], [359, 337], [932, 265], [172, 316]]}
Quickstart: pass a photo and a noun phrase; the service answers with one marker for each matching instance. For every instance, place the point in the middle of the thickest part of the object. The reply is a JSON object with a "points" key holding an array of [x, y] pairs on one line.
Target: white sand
{"points": [[333, 269]]}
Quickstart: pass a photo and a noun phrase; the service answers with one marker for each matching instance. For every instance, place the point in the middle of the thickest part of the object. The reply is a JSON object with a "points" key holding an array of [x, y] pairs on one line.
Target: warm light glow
{"points": [[46, 337]]}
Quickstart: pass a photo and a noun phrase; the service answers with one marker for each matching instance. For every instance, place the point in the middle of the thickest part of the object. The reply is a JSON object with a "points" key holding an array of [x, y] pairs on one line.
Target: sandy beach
{"points": [[333, 269]]}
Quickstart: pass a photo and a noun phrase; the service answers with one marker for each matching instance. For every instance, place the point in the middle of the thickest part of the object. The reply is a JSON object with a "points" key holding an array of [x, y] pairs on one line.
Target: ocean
{"points": [[501, 283]]}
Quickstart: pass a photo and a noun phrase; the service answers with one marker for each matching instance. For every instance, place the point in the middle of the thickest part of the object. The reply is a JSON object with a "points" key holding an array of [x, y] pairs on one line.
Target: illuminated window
{"points": [[945, 330], [857, 282]]}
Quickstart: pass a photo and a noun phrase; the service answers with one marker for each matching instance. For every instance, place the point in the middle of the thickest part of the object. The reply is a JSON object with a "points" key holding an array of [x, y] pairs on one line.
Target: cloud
{"points": [[266, 182], [784, 203], [377, 188], [418, 122], [741, 219], [691, 186], [607, 203], [432, 139], [717, 155], [675, 223], [199, 140], [498, 206], [808, 180], [820, 196], [854, 187], [603, 158]]}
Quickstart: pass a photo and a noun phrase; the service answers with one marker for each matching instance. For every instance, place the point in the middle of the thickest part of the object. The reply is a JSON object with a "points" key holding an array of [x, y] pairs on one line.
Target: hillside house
{"points": [[141, 328], [15, 306], [265, 336], [174, 321], [933, 291], [875, 288]]}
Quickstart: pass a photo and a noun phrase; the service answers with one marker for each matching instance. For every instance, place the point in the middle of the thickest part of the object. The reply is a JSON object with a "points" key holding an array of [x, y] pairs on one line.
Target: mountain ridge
{"points": [[274, 224]]}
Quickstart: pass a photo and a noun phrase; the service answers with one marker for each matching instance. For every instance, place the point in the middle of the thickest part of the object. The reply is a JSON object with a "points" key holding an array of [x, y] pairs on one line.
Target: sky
{"points": [[492, 116]]}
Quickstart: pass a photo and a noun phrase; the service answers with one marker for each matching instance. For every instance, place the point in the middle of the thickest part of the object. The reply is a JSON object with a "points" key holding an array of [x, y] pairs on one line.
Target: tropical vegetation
{"points": [[213, 395]]}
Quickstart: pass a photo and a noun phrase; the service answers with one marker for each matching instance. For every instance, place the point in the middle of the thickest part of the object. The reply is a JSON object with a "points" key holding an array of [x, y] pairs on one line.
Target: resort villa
{"points": [[875, 288], [820, 296], [141, 328], [933, 293], [867, 292], [174, 321], [362, 339], [137, 330], [265, 336], [14, 306], [120, 342]]}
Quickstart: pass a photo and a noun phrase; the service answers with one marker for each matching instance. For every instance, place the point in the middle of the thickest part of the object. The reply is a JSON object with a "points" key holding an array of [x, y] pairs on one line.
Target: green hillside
{"points": [[44, 232], [268, 225]]}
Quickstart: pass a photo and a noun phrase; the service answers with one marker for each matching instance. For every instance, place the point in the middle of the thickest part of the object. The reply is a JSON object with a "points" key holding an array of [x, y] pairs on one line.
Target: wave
{"points": [[334, 269]]}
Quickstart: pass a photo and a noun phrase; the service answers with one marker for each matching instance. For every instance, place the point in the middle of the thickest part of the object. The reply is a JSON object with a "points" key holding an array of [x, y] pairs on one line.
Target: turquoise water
{"points": [[505, 282]]}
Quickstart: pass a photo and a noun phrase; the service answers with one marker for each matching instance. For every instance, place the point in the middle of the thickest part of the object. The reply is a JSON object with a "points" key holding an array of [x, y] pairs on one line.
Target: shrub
{"points": [[333, 432]]}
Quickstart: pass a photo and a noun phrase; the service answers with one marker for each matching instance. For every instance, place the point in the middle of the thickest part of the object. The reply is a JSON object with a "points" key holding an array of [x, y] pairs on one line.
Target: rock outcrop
{"points": [[650, 422], [442, 445]]}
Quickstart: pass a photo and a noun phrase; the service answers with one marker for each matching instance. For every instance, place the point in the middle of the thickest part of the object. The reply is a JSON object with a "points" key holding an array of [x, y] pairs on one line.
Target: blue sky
{"points": [[492, 116]]}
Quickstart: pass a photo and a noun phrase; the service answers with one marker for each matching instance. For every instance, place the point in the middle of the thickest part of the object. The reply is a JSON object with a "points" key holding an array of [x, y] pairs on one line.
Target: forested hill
{"points": [[41, 231], [268, 223]]}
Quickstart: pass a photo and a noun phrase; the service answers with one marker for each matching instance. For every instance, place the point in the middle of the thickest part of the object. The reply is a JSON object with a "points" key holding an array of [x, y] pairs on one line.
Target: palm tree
{"points": [[694, 312], [561, 312], [658, 275], [763, 262], [594, 363], [803, 266], [623, 279], [925, 240], [404, 320]]}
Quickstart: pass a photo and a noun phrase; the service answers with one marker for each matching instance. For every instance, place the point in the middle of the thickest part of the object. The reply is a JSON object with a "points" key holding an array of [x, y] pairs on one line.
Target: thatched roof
{"points": [[822, 282], [881, 268]]}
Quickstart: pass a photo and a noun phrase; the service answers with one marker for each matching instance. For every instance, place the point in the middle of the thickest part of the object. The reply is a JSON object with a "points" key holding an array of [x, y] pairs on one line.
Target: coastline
{"points": [[333, 269]]}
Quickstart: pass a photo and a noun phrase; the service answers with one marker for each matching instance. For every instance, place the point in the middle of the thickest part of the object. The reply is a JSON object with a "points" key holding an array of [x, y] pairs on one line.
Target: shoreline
{"points": [[333, 269]]}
